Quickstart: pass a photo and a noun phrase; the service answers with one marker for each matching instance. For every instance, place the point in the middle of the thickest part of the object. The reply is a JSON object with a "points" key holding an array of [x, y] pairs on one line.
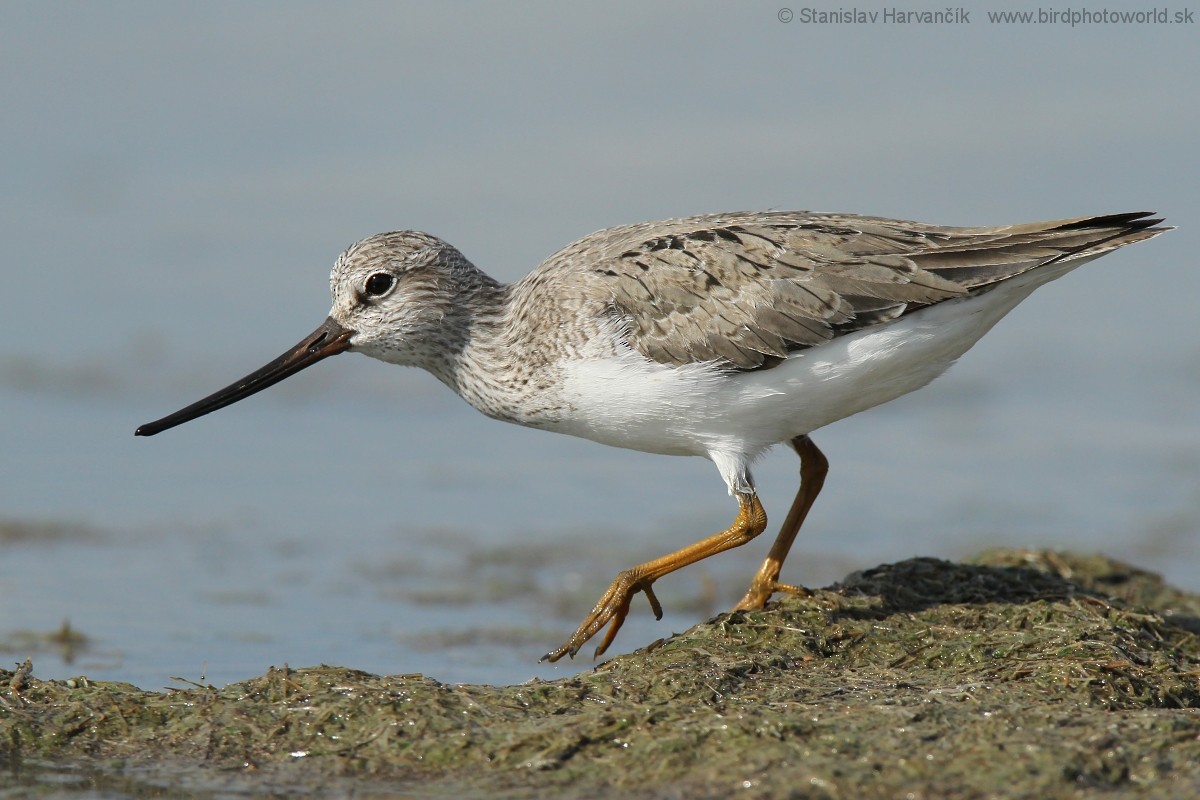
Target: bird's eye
{"points": [[380, 284]]}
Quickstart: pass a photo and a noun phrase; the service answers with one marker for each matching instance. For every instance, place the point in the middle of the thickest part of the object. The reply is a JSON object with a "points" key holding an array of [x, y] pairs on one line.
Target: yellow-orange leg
{"points": [[614, 605], [813, 469]]}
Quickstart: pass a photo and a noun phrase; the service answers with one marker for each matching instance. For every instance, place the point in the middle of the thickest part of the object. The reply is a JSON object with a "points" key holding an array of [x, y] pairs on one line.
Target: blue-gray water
{"points": [[177, 182]]}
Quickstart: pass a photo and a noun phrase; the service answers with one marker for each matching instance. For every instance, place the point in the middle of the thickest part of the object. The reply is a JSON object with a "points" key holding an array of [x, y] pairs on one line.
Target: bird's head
{"points": [[393, 297]]}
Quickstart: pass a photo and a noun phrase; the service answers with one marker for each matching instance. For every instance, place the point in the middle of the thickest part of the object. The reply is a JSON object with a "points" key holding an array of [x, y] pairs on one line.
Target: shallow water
{"points": [[372, 520], [359, 515]]}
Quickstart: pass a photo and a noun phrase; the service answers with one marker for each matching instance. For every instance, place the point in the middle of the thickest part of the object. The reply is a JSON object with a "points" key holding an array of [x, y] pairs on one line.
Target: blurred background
{"points": [[177, 180]]}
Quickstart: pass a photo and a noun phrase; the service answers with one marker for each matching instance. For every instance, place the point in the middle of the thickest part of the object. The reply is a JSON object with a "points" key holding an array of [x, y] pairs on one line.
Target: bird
{"points": [[716, 335]]}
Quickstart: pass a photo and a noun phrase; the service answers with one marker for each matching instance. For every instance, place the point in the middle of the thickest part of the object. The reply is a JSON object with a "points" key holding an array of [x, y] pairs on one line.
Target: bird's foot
{"points": [[761, 590], [612, 608]]}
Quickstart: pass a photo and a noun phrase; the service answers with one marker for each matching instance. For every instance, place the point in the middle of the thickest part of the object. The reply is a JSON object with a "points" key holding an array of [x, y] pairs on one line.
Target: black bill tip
{"points": [[329, 339]]}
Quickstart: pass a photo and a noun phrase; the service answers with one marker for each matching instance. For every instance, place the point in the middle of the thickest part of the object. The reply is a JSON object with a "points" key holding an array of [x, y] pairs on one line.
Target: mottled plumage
{"points": [[748, 288], [718, 335]]}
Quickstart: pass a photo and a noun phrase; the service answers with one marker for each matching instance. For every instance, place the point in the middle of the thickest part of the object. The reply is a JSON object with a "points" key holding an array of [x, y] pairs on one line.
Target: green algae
{"points": [[1022, 673]]}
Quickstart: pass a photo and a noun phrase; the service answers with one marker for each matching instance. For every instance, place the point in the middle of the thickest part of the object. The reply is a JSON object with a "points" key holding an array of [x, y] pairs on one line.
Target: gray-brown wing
{"points": [[750, 288]]}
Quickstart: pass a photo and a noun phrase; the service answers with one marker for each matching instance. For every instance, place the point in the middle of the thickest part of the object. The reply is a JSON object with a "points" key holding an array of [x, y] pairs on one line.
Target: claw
{"points": [[655, 606], [791, 588], [761, 592], [611, 611], [614, 605]]}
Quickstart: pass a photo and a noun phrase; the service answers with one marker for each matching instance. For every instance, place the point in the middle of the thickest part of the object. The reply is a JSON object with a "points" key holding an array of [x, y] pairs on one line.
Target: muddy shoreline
{"points": [[1021, 673]]}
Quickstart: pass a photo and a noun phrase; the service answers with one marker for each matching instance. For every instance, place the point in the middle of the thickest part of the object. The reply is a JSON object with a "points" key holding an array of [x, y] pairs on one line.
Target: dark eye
{"points": [[380, 284]]}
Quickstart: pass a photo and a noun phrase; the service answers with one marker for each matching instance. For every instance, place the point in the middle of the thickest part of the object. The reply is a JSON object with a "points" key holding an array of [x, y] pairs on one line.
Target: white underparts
{"points": [[629, 401]]}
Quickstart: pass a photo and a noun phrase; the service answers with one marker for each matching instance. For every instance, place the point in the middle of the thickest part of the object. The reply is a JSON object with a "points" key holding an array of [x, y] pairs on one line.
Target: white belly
{"points": [[632, 402]]}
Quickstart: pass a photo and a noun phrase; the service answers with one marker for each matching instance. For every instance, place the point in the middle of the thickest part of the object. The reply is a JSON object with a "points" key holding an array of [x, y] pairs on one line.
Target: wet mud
{"points": [[1019, 674]]}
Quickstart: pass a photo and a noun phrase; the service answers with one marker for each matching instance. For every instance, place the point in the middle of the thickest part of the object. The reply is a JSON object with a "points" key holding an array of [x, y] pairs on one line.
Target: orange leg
{"points": [[614, 605], [813, 469]]}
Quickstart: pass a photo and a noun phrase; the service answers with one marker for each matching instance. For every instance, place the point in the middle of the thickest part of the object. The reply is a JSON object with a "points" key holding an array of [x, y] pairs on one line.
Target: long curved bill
{"points": [[329, 339]]}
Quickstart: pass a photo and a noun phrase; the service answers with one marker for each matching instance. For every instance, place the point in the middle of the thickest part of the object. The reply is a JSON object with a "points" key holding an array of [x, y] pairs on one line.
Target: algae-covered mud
{"points": [[1021, 674]]}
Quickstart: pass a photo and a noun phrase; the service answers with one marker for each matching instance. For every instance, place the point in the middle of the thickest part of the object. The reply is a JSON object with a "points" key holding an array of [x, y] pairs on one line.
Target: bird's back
{"points": [[746, 289]]}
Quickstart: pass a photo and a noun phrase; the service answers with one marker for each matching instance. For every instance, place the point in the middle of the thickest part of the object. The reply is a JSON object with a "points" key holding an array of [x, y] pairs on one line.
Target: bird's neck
{"points": [[495, 370]]}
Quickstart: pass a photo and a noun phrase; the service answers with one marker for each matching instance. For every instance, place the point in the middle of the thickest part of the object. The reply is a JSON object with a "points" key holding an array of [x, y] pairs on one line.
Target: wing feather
{"points": [[746, 289]]}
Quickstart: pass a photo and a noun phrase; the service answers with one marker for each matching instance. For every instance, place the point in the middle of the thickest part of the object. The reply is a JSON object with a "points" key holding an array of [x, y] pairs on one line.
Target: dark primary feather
{"points": [[749, 288]]}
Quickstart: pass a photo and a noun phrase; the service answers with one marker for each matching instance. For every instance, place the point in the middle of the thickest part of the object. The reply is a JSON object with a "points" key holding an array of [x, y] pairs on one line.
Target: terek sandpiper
{"points": [[717, 335]]}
